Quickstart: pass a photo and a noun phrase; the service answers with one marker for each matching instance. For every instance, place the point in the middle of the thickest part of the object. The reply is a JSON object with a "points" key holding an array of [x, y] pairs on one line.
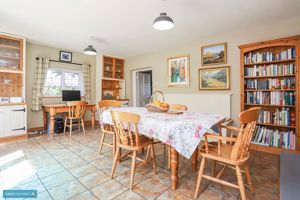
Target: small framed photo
{"points": [[65, 56], [178, 71], [214, 54], [217, 78]]}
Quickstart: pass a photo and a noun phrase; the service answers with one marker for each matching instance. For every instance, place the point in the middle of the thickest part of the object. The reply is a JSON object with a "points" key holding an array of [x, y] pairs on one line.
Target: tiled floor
{"points": [[61, 168]]}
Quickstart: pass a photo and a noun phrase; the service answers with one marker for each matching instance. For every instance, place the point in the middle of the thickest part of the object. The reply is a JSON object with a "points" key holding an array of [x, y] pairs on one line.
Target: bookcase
{"points": [[113, 83], [270, 79], [13, 108]]}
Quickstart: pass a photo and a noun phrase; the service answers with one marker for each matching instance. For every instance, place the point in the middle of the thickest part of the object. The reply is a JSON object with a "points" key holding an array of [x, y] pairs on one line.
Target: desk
{"points": [[52, 109], [182, 132]]}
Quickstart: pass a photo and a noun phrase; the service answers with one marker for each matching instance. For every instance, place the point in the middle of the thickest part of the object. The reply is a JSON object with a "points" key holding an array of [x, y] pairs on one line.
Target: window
{"points": [[58, 79]]}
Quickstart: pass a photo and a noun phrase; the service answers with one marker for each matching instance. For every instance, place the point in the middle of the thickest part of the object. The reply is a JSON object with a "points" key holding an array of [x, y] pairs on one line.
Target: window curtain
{"points": [[38, 83], [86, 82]]}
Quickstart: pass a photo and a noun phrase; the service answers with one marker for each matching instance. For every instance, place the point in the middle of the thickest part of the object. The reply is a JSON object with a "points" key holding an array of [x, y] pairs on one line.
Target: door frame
{"points": [[134, 72]]}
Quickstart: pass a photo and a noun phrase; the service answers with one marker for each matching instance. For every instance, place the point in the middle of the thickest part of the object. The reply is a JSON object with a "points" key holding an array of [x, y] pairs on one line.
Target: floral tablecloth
{"points": [[183, 132]]}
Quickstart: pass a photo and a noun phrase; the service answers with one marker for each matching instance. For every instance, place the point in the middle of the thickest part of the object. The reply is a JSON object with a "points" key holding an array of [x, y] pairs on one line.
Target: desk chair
{"points": [[76, 112]]}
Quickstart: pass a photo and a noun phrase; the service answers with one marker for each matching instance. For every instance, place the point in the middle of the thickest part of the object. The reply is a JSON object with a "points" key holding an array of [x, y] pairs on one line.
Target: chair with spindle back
{"points": [[128, 138], [76, 112], [107, 128], [233, 154]]}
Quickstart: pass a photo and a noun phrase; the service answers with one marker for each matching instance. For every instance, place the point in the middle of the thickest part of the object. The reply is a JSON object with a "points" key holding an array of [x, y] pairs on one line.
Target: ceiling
{"points": [[124, 27]]}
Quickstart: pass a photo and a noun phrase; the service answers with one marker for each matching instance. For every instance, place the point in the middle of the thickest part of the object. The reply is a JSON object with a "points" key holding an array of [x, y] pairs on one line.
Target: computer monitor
{"points": [[71, 95]]}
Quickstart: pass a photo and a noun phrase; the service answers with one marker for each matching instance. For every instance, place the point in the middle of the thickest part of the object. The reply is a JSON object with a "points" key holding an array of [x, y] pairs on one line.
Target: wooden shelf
{"points": [[272, 90], [9, 47], [274, 125], [9, 57], [276, 47], [269, 105], [11, 70], [12, 84], [111, 88], [270, 62], [262, 77], [272, 150], [12, 104]]}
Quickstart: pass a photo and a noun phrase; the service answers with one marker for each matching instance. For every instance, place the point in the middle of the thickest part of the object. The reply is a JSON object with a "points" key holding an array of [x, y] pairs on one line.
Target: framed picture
{"points": [[214, 54], [178, 71], [65, 56], [217, 78]]}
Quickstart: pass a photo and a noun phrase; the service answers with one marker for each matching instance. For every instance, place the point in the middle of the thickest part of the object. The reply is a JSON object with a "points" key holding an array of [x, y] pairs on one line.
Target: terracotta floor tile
{"points": [[172, 195], [82, 170], [84, 196], [68, 164], [93, 179], [124, 178], [49, 170], [57, 179], [67, 190], [129, 195], [149, 189], [108, 190]]}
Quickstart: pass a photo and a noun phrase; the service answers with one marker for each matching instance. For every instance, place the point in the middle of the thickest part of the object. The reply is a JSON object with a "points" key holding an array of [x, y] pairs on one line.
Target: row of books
{"points": [[283, 117], [269, 84], [270, 70], [272, 98], [269, 56], [275, 138]]}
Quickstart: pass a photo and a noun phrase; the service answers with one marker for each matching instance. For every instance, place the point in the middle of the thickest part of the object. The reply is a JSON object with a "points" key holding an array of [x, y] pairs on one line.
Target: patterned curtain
{"points": [[38, 84], [86, 82]]}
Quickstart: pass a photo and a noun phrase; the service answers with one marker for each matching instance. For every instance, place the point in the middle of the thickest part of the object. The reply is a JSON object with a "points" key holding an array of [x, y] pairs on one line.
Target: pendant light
{"points": [[90, 50], [163, 22]]}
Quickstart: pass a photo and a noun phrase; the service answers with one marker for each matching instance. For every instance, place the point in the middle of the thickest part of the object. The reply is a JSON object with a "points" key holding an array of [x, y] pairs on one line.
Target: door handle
{"points": [[23, 109], [18, 129]]}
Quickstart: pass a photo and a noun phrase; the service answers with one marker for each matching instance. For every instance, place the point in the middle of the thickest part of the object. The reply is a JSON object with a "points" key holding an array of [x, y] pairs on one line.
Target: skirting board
{"points": [[13, 138]]}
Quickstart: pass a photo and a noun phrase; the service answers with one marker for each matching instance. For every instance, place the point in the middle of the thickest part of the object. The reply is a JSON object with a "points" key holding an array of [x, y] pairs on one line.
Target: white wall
{"points": [[35, 119], [158, 60]]}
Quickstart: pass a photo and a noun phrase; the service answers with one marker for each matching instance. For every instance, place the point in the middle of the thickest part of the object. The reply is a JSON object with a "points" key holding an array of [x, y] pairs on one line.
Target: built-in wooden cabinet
{"points": [[270, 79], [113, 83], [13, 109]]}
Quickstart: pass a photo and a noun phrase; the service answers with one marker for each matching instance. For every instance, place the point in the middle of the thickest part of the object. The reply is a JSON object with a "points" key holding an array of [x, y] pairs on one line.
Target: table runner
{"points": [[183, 132]]}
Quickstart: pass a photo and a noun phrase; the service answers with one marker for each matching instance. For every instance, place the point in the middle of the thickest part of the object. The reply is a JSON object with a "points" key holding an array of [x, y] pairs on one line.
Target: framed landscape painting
{"points": [[178, 71], [217, 78], [214, 54]]}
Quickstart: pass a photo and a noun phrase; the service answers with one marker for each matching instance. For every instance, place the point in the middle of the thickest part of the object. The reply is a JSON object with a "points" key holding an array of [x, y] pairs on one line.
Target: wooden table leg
{"points": [[174, 167], [93, 118], [195, 160], [52, 121], [45, 118]]}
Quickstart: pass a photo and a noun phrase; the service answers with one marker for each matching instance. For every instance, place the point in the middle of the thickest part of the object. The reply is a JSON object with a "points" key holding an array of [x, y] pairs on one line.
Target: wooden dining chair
{"points": [[107, 128], [129, 138], [76, 112], [233, 154], [178, 107]]}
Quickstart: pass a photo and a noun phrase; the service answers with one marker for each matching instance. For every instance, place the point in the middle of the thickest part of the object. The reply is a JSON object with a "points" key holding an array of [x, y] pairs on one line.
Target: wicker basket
{"points": [[154, 108]]}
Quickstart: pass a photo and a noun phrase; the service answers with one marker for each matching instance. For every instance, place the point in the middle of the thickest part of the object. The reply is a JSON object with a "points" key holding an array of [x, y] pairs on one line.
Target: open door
{"points": [[143, 87]]}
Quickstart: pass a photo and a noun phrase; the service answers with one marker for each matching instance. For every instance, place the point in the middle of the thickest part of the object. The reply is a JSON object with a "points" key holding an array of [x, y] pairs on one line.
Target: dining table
{"points": [[182, 132]]}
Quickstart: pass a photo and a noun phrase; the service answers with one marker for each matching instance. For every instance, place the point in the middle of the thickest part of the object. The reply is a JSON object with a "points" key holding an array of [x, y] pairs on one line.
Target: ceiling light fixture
{"points": [[163, 22], [90, 50]]}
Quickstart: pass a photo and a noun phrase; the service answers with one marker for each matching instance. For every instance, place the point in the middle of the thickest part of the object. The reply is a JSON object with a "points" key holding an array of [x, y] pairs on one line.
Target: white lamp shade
{"points": [[163, 22], [90, 50]]}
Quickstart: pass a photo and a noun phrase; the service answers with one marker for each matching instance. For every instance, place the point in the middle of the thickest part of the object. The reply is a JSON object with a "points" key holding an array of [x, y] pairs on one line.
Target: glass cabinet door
{"points": [[10, 53]]}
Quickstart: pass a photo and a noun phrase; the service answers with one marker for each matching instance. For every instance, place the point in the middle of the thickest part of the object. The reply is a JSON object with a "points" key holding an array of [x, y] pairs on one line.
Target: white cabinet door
{"points": [[17, 120], [12, 120]]}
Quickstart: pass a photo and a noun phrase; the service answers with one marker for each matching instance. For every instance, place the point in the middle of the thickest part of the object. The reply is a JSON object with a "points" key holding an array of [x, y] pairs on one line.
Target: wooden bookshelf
{"points": [[264, 54], [113, 78]]}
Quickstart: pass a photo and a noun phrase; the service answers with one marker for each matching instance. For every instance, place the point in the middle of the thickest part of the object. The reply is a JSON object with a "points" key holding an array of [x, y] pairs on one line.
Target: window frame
{"points": [[63, 71]]}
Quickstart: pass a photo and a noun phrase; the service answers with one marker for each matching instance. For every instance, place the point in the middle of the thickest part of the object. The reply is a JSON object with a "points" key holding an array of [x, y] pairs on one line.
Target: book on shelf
{"points": [[272, 98], [257, 57], [274, 137], [270, 70], [280, 117], [271, 84]]}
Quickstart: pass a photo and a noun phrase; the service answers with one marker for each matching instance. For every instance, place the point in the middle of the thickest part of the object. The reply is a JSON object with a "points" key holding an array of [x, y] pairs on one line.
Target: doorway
{"points": [[142, 87]]}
